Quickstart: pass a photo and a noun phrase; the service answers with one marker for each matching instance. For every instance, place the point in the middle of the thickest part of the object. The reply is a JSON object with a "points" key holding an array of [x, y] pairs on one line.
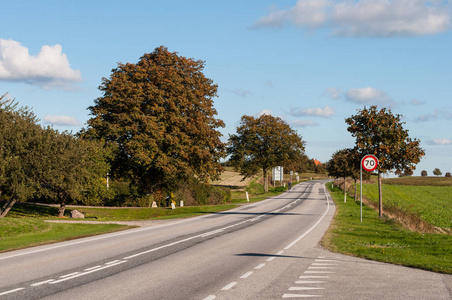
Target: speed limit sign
{"points": [[369, 163]]}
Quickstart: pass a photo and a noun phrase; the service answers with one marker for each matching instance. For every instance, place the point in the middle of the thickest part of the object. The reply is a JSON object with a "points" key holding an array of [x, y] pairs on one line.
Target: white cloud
{"points": [[61, 120], [315, 112], [365, 18], [303, 123], [49, 69], [264, 112], [334, 93], [442, 142], [369, 95]]}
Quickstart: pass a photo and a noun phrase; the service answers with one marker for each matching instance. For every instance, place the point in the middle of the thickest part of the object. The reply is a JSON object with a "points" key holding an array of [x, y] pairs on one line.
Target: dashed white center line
{"points": [[75, 275], [93, 268], [42, 282], [69, 275], [271, 258], [260, 266], [246, 275], [229, 286], [210, 297]]}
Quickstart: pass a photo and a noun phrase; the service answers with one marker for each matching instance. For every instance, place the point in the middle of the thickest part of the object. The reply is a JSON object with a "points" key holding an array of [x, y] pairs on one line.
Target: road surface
{"points": [[265, 250]]}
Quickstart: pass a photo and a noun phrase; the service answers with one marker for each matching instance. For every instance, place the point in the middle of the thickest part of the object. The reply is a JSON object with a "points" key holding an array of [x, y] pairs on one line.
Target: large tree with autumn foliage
{"points": [[158, 115], [263, 143], [381, 133]]}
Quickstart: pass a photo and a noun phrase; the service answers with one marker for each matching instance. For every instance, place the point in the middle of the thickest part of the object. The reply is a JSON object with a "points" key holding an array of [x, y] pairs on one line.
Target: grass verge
{"points": [[384, 240], [25, 225], [17, 233]]}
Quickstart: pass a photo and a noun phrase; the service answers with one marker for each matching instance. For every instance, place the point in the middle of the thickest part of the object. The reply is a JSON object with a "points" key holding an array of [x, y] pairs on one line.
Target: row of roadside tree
{"points": [[154, 128]]}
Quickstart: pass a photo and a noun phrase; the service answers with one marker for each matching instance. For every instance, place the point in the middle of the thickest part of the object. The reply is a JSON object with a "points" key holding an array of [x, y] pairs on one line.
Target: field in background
{"points": [[415, 180], [432, 204], [420, 203]]}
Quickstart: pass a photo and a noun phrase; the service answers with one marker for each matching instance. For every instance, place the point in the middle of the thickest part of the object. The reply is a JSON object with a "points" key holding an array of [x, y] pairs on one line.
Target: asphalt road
{"points": [[265, 250]]}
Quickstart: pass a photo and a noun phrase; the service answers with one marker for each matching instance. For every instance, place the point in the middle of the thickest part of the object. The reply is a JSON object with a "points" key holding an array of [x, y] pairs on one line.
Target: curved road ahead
{"points": [[265, 250]]}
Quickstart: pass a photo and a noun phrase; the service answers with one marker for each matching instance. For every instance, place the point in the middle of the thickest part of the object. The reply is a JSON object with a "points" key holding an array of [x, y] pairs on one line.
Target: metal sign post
{"points": [[368, 163]]}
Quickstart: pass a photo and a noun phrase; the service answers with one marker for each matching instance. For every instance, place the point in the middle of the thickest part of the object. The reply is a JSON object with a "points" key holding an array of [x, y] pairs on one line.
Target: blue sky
{"points": [[311, 62]]}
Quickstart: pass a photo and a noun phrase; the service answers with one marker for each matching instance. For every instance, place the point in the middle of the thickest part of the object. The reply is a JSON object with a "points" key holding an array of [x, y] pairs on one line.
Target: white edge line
{"points": [[11, 291], [42, 282], [313, 227]]}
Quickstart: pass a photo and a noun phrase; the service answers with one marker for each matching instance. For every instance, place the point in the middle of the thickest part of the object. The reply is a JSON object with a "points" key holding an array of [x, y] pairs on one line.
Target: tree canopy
{"points": [[381, 133], [437, 172], [346, 163], [263, 143], [42, 163], [159, 117]]}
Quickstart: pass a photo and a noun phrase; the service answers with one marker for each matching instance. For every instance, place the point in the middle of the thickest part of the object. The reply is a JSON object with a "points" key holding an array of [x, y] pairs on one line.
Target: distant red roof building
{"points": [[316, 162]]}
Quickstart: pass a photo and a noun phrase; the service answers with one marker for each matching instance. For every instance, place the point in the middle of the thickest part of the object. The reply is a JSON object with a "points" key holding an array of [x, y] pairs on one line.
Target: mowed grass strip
{"points": [[384, 240], [17, 233], [148, 213]]}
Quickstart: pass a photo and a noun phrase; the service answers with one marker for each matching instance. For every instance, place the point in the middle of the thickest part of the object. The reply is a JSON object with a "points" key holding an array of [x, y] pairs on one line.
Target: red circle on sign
{"points": [[369, 163]]}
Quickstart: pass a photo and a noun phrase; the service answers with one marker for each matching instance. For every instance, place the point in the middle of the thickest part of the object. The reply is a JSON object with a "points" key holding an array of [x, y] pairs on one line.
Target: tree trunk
{"points": [[61, 209], [7, 207], [380, 196], [264, 172]]}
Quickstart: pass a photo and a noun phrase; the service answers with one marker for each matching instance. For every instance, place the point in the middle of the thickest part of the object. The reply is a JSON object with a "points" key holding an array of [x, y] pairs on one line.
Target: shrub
{"points": [[448, 174], [194, 192], [424, 173]]}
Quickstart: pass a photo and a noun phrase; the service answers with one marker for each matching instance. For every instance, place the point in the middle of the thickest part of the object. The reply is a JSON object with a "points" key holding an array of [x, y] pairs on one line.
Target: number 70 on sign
{"points": [[368, 163]]}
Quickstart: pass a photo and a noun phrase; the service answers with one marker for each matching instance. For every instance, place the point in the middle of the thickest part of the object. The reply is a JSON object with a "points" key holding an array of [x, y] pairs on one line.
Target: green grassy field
{"points": [[429, 198], [385, 240], [432, 204]]}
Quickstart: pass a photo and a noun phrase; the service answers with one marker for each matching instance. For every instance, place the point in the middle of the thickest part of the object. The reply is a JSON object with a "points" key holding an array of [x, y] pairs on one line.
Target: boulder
{"points": [[75, 214]]}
